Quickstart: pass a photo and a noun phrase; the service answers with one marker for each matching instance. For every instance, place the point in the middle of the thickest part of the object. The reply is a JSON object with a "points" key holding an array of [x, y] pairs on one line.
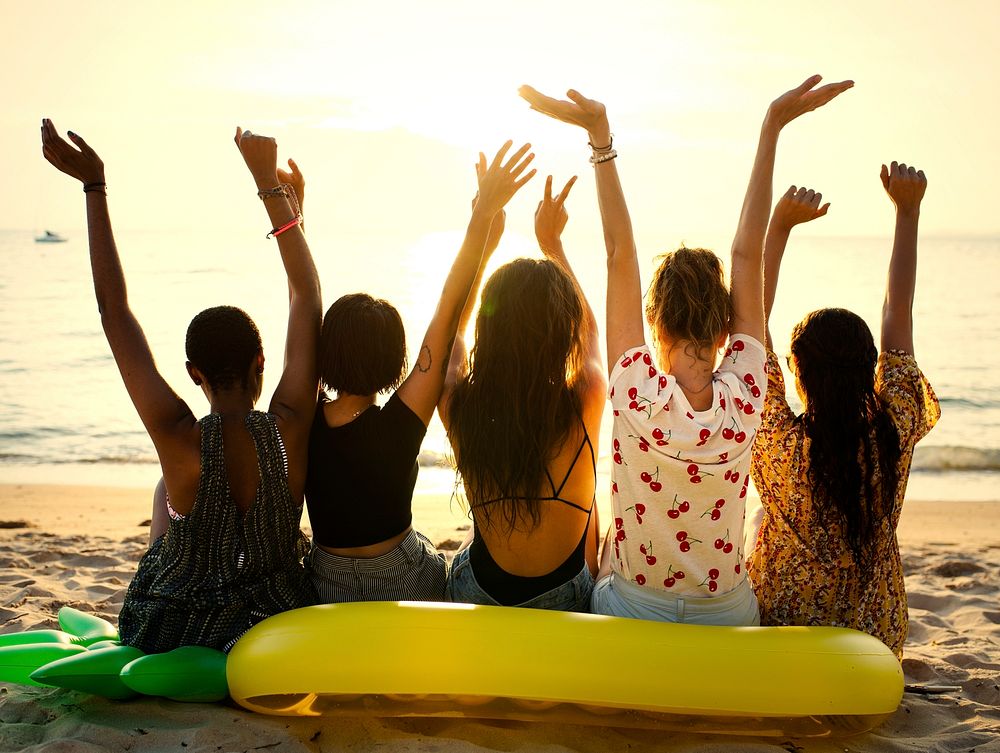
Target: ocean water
{"points": [[66, 417]]}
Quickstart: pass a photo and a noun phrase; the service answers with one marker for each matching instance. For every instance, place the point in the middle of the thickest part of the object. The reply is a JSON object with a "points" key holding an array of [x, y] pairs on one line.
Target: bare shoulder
{"points": [[592, 386]]}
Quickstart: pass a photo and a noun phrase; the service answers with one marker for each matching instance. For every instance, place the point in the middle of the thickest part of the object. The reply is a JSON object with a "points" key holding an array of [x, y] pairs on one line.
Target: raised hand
{"points": [[293, 177], [551, 216], [798, 206], [82, 163], [802, 99], [905, 186], [499, 180], [499, 222], [261, 155], [588, 114]]}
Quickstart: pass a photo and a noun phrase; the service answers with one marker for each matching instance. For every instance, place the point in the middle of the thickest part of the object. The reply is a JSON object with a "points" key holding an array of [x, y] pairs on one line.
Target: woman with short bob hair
{"points": [[225, 546], [362, 457]]}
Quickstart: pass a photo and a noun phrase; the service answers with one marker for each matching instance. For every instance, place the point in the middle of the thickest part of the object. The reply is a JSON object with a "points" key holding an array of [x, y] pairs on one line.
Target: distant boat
{"points": [[50, 237]]}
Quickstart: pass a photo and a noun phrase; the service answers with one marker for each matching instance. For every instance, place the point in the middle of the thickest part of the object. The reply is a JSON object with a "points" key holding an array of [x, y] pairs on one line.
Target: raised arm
{"points": [[167, 419], [550, 221], [624, 302], [746, 270], [294, 399], [498, 182], [796, 206], [294, 178], [906, 187]]}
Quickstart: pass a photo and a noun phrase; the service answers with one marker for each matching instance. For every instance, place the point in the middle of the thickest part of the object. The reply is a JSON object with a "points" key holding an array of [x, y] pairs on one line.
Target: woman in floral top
{"points": [[832, 480], [683, 425]]}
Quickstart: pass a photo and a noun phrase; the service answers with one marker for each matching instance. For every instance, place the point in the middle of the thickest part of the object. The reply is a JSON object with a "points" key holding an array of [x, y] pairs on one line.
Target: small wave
{"points": [[951, 458], [964, 402], [21, 459]]}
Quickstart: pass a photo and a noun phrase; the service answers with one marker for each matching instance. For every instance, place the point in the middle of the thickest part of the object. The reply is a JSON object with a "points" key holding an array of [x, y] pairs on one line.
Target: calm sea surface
{"points": [[66, 417]]}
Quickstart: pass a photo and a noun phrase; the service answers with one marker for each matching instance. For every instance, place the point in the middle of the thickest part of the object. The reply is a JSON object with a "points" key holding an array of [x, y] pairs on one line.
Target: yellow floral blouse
{"points": [[802, 570]]}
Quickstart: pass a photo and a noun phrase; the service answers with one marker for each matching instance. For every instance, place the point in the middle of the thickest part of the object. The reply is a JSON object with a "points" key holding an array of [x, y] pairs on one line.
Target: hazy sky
{"points": [[385, 104]]}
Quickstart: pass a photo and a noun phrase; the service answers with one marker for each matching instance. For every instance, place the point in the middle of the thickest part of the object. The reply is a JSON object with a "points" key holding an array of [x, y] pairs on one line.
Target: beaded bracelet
{"points": [[89, 187], [605, 157], [275, 232]]}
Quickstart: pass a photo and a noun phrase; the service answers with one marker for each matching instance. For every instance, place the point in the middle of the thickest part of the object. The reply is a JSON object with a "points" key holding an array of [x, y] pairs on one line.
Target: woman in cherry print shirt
{"points": [[683, 423]]}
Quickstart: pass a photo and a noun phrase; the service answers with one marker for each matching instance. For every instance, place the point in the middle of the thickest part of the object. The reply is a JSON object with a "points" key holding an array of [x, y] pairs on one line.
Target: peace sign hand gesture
{"points": [[551, 216]]}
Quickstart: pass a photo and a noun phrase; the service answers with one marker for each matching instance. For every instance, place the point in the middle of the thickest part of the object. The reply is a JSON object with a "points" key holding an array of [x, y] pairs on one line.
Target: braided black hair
{"points": [[221, 343]]}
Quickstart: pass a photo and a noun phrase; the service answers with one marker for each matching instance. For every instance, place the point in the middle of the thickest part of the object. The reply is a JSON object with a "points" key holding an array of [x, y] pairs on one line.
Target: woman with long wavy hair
{"points": [[832, 479], [523, 413]]}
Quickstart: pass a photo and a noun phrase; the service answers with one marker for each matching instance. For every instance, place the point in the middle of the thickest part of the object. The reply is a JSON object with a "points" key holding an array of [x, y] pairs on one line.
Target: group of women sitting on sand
{"points": [[697, 413]]}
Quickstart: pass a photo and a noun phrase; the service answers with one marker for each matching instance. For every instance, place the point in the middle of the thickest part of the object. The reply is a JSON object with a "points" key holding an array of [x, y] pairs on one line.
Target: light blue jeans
{"points": [[571, 596], [618, 597]]}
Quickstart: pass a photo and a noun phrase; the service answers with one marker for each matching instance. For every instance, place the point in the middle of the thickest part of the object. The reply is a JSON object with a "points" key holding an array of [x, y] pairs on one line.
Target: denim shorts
{"points": [[571, 596], [412, 571], [617, 596]]}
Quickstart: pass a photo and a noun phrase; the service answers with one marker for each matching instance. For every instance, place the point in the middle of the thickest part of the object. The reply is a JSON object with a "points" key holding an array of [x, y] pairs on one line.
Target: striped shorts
{"points": [[412, 571]]}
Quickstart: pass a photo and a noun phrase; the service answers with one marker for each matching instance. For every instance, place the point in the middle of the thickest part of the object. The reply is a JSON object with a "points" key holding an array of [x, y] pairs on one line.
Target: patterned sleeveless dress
{"points": [[218, 571]]}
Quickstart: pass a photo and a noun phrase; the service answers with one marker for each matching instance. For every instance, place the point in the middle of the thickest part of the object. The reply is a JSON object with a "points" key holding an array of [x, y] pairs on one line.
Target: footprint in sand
{"points": [[956, 569], [918, 670], [932, 602]]}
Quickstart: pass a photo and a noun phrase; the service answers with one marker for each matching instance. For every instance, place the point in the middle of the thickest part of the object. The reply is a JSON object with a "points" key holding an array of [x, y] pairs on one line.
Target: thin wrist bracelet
{"points": [[603, 149], [275, 232], [102, 187]]}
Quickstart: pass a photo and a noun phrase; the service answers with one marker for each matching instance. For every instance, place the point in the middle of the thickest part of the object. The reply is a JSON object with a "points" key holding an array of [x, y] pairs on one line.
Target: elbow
{"points": [[618, 252]]}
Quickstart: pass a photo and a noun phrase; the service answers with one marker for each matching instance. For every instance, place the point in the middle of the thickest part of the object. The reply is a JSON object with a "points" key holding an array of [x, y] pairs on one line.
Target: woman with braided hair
{"points": [[832, 479]]}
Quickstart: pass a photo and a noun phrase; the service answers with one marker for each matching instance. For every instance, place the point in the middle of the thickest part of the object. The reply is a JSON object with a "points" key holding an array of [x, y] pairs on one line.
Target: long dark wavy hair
{"points": [[854, 447], [518, 403]]}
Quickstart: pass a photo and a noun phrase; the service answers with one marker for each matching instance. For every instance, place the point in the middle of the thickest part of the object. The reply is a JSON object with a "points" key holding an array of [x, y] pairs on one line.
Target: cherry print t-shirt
{"points": [[679, 476]]}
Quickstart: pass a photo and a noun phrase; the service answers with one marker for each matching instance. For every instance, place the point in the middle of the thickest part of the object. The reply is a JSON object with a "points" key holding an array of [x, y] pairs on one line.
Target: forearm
{"points": [[553, 250], [897, 309], [105, 265], [624, 296], [746, 269], [748, 244], [467, 273], [774, 250], [303, 279]]}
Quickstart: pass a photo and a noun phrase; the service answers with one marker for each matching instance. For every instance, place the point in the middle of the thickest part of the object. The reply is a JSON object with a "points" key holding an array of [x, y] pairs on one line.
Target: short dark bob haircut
{"points": [[362, 346]]}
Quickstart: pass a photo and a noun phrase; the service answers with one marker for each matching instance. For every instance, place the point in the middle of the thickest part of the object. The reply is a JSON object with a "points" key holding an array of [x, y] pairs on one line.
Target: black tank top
{"points": [[508, 589], [361, 475]]}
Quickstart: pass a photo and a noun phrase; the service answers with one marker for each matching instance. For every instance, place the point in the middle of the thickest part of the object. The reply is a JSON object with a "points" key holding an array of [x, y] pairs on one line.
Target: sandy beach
{"points": [[77, 546]]}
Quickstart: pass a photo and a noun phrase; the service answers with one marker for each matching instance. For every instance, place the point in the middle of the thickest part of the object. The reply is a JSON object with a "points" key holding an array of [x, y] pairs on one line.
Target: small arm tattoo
{"points": [[421, 360]]}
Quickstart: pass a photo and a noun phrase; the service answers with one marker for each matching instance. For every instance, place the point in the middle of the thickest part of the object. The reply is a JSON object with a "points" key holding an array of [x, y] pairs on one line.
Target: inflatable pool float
{"points": [[460, 660]]}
